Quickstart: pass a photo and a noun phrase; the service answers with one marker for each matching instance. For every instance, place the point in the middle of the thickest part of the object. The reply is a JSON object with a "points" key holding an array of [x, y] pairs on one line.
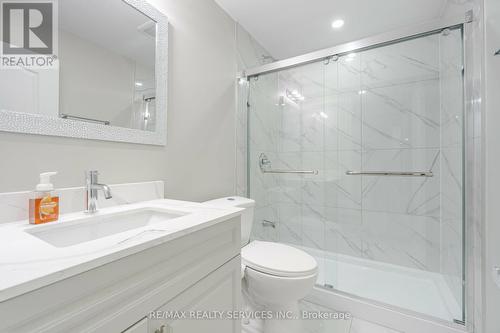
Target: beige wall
{"points": [[199, 159]]}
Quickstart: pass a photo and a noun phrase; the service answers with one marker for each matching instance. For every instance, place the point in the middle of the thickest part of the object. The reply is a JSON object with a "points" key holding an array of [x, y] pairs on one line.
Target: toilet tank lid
{"points": [[232, 202]]}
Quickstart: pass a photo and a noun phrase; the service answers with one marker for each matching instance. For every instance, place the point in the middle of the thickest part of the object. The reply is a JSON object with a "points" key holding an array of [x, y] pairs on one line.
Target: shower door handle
{"points": [[301, 172], [391, 173], [265, 167]]}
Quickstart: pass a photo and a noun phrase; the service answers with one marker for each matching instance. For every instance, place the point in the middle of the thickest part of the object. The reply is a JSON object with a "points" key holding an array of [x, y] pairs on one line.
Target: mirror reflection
{"points": [[106, 70]]}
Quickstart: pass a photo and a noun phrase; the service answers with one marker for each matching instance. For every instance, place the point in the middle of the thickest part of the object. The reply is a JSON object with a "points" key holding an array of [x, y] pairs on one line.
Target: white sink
{"points": [[90, 228]]}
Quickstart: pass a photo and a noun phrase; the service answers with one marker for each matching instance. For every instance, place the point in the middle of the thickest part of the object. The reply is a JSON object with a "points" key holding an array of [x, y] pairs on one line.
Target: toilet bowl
{"points": [[276, 275]]}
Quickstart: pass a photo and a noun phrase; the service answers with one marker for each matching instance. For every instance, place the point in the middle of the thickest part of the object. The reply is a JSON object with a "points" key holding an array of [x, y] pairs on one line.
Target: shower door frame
{"points": [[472, 207], [364, 44]]}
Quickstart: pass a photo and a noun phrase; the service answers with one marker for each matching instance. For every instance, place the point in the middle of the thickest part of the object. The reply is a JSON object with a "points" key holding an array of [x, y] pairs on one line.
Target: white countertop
{"points": [[28, 263]]}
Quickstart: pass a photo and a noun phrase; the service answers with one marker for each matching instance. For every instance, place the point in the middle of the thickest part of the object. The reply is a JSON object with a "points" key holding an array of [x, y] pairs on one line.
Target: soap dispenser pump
{"points": [[44, 203]]}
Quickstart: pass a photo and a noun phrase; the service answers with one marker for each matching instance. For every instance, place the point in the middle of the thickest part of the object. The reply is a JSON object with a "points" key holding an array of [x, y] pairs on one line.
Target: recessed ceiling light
{"points": [[139, 84], [337, 24]]}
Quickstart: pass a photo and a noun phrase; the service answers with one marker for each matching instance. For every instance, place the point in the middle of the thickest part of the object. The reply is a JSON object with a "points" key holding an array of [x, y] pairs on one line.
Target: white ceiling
{"points": [[288, 28]]}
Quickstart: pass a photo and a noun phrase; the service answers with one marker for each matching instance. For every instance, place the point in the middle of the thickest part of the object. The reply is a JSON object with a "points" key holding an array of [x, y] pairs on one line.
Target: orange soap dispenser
{"points": [[44, 203]]}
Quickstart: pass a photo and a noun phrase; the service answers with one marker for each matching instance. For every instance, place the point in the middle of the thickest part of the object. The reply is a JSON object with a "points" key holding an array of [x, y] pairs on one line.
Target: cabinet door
{"points": [[139, 327], [216, 294]]}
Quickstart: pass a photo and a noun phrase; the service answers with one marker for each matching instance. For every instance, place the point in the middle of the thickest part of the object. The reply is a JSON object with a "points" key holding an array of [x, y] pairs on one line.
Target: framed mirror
{"points": [[104, 79]]}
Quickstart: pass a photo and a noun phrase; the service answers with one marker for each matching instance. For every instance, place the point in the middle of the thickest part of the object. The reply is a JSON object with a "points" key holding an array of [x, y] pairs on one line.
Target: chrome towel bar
{"points": [[302, 172], [265, 167], [391, 173], [90, 120]]}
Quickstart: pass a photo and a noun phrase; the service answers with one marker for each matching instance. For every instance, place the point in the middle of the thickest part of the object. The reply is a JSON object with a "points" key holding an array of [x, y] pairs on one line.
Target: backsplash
{"points": [[14, 205]]}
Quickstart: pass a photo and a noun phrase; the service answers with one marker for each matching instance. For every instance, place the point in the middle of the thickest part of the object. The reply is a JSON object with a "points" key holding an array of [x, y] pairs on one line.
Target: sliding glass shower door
{"points": [[358, 160]]}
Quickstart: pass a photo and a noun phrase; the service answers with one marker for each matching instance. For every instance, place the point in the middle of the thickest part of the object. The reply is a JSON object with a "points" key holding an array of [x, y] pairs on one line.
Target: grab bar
{"points": [[265, 167], [391, 173], [90, 120]]}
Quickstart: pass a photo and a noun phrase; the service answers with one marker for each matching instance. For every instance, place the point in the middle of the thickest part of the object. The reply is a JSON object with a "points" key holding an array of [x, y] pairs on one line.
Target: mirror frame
{"points": [[18, 122]]}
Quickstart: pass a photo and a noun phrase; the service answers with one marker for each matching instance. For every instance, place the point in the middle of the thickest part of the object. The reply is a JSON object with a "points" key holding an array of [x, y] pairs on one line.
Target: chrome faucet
{"points": [[91, 187]]}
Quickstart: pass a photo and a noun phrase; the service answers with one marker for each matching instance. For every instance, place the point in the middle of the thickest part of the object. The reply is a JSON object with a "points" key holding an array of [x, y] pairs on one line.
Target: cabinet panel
{"points": [[218, 295]]}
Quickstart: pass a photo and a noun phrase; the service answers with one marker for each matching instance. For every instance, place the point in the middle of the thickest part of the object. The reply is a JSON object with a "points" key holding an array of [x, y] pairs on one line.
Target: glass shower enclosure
{"points": [[358, 159]]}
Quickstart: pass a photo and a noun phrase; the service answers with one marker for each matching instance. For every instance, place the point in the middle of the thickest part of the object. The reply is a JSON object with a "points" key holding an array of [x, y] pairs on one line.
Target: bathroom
{"points": [[249, 166]]}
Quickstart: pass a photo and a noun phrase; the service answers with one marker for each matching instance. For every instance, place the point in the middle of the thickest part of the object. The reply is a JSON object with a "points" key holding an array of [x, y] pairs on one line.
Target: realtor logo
{"points": [[29, 33], [27, 28]]}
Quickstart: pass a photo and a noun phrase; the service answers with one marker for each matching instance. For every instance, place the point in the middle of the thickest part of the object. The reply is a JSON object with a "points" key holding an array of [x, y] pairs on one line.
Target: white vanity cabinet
{"points": [[199, 270], [203, 307]]}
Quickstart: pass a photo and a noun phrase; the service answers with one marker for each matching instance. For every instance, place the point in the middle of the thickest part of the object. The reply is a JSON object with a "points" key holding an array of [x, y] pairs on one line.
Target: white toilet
{"points": [[277, 276]]}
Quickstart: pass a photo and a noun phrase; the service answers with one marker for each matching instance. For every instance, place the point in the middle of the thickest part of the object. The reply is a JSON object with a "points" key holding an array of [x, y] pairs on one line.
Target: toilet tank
{"points": [[246, 216]]}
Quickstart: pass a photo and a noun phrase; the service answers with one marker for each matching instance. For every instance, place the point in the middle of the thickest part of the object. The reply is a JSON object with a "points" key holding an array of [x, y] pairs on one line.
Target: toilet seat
{"points": [[278, 259]]}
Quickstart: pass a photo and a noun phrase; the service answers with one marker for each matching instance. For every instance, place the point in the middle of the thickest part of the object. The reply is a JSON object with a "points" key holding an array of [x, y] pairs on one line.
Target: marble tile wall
{"points": [[249, 54], [396, 108], [452, 139]]}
